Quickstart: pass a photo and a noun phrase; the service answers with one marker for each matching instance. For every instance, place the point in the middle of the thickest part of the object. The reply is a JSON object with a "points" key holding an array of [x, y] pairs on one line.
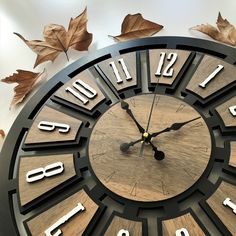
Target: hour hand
{"points": [[175, 126], [125, 106]]}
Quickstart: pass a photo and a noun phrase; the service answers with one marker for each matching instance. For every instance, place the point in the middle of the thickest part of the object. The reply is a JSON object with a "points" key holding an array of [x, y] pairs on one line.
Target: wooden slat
{"points": [[35, 135], [75, 226], [232, 160], [223, 111], [221, 80], [226, 215], [88, 79], [30, 191], [130, 62], [118, 223], [185, 221], [154, 57]]}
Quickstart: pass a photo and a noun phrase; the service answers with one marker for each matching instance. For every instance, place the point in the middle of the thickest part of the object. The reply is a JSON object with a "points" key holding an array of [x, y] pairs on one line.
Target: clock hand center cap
{"points": [[146, 136]]}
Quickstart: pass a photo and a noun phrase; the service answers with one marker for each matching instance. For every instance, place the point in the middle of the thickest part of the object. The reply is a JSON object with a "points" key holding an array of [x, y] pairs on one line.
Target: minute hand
{"points": [[175, 126]]}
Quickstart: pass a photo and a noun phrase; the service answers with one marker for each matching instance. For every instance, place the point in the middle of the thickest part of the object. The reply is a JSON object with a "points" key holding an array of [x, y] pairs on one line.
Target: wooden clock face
{"points": [[137, 139]]}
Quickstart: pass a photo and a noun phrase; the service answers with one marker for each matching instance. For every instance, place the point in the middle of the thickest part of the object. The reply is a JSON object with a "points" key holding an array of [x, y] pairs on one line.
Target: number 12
{"points": [[168, 71]]}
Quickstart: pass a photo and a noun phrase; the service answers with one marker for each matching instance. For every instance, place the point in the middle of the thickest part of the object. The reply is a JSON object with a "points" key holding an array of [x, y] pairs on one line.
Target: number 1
{"points": [[211, 76]]}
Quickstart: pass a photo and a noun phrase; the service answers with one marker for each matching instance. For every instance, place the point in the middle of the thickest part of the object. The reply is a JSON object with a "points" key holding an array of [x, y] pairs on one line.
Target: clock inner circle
{"points": [[136, 174]]}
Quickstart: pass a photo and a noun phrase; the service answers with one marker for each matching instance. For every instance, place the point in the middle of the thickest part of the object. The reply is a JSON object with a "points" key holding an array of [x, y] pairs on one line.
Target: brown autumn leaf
{"points": [[58, 40], [225, 32], [135, 26], [25, 80], [2, 133]]}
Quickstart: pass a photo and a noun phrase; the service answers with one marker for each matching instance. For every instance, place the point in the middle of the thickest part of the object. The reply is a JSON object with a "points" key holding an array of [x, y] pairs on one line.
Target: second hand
{"points": [[146, 134]]}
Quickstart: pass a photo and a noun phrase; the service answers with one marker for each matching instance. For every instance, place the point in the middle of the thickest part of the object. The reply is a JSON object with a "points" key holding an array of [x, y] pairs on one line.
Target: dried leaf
{"points": [[135, 26], [225, 32], [26, 80], [2, 133], [58, 40]]}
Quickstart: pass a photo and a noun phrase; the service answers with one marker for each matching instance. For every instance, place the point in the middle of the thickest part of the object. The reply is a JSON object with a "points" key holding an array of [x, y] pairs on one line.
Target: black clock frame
{"points": [[11, 149]]}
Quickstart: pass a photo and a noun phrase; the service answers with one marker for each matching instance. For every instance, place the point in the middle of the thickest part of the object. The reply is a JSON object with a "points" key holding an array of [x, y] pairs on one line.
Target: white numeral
{"points": [[229, 203], [123, 232], [211, 76], [168, 71], [50, 126], [62, 220], [48, 171], [182, 232], [232, 110], [116, 72], [83, 88]]}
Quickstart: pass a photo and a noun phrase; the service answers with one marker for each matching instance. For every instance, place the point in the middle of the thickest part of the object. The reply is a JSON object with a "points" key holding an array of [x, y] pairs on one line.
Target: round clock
{"points": [[136, 139]]}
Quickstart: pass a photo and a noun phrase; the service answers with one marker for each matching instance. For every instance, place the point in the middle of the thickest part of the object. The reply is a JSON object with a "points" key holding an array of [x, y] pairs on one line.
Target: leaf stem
{"points": [[67, 57]]}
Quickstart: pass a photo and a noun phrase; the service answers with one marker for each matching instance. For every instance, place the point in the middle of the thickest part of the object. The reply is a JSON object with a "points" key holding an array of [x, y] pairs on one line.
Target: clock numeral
{"points": [[83, 88], [182, 232], [211, 76], [229, 203], [123, 232], [168, 71], [51, 126], [232, 110], [48, 171], [116, 72], [62, 220]]}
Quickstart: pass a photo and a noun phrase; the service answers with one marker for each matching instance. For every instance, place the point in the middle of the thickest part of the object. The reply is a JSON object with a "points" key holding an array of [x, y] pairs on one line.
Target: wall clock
{"points": [[136, 139]]}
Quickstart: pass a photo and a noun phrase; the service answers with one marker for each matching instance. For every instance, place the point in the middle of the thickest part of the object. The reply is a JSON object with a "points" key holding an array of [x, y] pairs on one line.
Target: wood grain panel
{"points": [[185, 221], [144, 178], [35, 135], [88, 79], [154, 57], [226, 116], [118, 223], [130, 62], [226, 215], [30, 191], [75, 226], [232, 160], [206, 67]]}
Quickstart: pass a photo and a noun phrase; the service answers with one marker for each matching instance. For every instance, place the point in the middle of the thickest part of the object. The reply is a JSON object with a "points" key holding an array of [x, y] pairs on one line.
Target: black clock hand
{"points": [[125, 106], [158, 155], [175, 126], [124, 147], [149, 117]]}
